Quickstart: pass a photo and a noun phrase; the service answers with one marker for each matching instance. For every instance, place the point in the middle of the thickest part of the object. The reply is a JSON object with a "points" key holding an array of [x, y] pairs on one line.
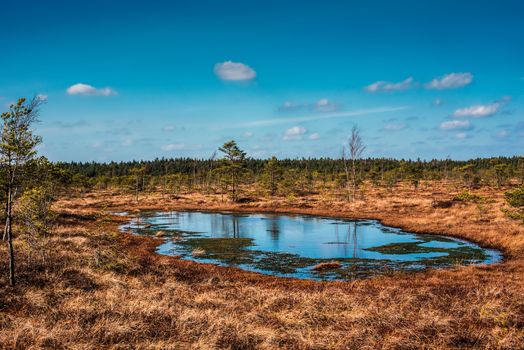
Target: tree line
{"points": [[284, 175]]}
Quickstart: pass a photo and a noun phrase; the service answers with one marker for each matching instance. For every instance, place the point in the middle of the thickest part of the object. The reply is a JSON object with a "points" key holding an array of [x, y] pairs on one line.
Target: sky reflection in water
{"points": [[287, 245]]}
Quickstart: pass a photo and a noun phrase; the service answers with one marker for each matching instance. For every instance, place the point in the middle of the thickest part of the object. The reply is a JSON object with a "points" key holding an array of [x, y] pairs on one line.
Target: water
{"points": [[291, 246]]}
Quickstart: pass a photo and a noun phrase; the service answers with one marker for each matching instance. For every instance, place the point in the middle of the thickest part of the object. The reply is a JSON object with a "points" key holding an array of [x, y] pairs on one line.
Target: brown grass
{"points": [[324, 266], [104, 289]]}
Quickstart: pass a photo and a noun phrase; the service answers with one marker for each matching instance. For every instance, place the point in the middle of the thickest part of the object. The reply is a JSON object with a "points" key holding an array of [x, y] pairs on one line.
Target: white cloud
{"points": [[97, 144], [88, 90], [248, 134], [314, 136], [173, 147], [294, 133], [450, 81], [455, 124], [461, 135], [386, 86], [168, 127], [42, 97], [354, 113], [325, 105], [290, 106], [234, 71], [503, 133], [394, 127], [478, 111], [127, 142]]}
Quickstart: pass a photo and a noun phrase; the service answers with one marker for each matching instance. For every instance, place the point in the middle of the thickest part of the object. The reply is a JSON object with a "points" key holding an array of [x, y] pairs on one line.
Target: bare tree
{"points": [[347, 171], [355, 149], [138, 172], [209, 174]]}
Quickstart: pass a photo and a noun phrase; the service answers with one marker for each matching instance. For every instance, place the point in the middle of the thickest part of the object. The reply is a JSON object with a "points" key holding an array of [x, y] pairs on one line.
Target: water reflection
{"points": [[291, 245]]}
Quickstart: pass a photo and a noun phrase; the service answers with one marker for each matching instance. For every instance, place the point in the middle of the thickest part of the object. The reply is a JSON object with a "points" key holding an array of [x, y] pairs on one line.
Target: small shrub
{"points": [[515, 198], [442, 204], [513, 214], [466, 196]]}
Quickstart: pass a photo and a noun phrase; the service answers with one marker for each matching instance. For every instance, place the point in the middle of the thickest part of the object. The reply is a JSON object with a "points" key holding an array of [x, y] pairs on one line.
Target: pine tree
{"points": [[17, 147], [232, 166]]}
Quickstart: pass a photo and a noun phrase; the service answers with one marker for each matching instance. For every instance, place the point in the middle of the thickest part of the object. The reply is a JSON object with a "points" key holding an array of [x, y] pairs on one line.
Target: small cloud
{"points": [[314, 136], [168, 128], [127, 142], [289, 106], [455, 124], [502, 133], [477, 111], [294, 133], [325, 105], [97, 144], [71, 125], [394, 126], [386, 86], [247, 134], [234, 71], [462, 135], [480, 111], [450, 81], [88, 90], [173, 147], [438, 102], [42, 97]]}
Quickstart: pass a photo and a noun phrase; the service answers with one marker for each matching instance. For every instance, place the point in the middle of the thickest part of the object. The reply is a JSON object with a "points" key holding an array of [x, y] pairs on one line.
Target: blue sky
{"points": [[139, 80]]}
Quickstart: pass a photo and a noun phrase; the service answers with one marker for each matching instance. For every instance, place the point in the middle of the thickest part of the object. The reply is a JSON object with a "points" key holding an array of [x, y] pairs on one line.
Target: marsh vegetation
{"points": [[79, 282]]}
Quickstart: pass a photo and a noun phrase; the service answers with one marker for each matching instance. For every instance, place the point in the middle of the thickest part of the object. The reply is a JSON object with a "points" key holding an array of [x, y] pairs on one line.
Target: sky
{"points": [[125, 80]]}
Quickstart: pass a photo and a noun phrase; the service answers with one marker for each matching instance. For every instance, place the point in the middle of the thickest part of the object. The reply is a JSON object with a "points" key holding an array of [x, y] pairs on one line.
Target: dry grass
{"points": [[102, 289], [198, 252], [327, 266]]}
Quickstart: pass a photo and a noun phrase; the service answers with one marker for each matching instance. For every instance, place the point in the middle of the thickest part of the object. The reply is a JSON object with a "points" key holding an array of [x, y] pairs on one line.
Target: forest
{"points": [[188, 174]]}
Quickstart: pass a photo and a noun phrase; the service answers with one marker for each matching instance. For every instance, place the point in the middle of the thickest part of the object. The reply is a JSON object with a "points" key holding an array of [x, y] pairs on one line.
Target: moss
{"points": [[283, 263], [227, 250], [403, 248], [462, 254]]}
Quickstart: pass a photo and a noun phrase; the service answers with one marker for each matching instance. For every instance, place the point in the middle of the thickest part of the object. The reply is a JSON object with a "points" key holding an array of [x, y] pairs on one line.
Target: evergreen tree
{"points": [[232, 166], [272, 175], [17, 148]]}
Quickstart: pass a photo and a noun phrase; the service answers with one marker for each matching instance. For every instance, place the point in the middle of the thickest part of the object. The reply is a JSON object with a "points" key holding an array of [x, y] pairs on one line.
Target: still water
{"points": [[289, 245]]}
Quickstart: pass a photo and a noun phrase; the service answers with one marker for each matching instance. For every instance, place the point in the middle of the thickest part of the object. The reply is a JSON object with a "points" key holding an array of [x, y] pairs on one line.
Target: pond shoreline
{"points": [[317, 213], [421, 218], [393, 249]]}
